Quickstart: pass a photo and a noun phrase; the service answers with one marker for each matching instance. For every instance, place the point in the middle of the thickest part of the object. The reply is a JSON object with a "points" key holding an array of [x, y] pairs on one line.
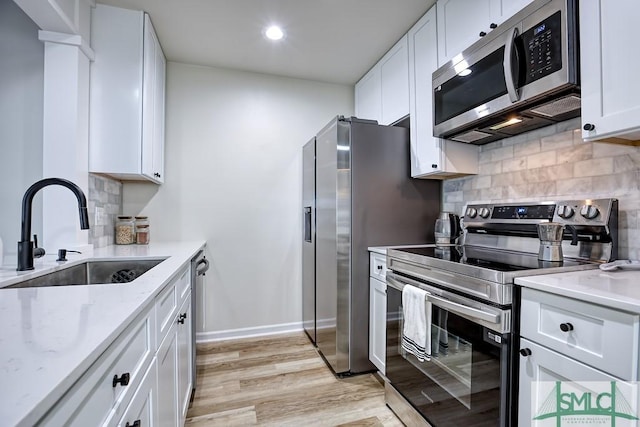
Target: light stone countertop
{"points": [[51, 335], [618, 289]]}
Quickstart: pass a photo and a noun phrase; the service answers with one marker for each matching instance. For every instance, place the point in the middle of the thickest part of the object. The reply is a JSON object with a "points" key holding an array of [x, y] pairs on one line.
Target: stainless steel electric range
{"points": [[471, 377]]}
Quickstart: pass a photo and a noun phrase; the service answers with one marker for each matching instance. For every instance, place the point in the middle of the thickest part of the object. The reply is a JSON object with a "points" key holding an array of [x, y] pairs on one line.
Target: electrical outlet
{"points": [[100, 216]]}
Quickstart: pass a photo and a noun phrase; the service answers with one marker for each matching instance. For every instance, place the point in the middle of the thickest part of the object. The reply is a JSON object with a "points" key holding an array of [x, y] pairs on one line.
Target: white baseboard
{"points": [[259, 331]]}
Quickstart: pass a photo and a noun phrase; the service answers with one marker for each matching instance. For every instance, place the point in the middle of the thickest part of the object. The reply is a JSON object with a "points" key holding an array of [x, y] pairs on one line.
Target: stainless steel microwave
{"points": [[521, 76]]}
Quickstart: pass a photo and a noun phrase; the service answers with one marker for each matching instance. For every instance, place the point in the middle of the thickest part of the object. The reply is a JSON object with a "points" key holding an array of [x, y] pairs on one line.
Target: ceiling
{"points": [[334, 41]]}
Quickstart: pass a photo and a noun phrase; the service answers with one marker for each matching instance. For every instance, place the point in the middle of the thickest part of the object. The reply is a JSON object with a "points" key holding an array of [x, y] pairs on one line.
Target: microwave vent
{"points": [[471, 136], [558, 107]]}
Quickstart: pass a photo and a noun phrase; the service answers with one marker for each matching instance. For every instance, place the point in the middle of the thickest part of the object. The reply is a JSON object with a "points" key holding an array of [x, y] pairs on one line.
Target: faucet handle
{"points": [[37, 252]]}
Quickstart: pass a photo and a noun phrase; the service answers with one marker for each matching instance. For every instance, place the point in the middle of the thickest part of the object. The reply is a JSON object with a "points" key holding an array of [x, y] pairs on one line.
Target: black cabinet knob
{"points": [[493, 26], [379, 267], [525, 352], [482, 34], [136, 423], [589, 127], [122, 380], [434, 166], [566, 327]]}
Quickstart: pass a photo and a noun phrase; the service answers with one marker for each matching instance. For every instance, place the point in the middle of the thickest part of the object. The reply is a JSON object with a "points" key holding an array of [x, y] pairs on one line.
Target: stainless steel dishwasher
{"points": [[199, 266]]}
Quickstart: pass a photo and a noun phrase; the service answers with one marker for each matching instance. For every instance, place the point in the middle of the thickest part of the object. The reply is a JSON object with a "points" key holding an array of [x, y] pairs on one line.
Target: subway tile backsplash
{"points": [[105, 194], [555, 163]]}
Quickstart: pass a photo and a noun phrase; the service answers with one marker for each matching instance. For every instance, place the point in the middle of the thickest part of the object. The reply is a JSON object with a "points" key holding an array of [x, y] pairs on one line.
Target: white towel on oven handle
{"points": [[416, 332]]}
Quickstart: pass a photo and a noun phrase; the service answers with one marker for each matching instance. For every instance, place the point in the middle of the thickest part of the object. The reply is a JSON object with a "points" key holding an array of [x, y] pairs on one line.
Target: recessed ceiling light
{"points": [[274, 33]]}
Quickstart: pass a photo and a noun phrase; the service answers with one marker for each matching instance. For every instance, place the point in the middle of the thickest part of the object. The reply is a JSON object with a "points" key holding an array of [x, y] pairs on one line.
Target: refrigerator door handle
{"points": [[307, 224]]}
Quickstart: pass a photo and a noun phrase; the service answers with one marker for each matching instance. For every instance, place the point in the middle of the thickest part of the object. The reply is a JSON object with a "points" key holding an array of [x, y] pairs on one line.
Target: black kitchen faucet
{"points": [[25, 245]]}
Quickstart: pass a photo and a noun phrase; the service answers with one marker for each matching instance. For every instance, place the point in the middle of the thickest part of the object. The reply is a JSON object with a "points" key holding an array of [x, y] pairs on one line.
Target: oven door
{"points": [[466, 381]]}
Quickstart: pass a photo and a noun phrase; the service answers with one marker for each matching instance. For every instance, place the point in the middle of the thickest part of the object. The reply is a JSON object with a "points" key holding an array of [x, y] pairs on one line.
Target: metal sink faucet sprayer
{"points": [[25, 245]]}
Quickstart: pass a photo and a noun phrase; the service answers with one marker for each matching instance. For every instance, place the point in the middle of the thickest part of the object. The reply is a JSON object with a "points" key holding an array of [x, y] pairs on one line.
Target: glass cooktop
{"points": [[496, 260]]}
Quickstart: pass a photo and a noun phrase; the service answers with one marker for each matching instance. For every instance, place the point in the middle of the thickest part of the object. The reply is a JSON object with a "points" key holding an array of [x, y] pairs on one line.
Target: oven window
{"points": [[462, 93], [463, 383]]}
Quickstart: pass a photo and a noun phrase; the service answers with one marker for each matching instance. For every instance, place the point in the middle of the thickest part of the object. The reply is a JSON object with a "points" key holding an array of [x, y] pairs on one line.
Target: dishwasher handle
{"points": [[203, 270]]}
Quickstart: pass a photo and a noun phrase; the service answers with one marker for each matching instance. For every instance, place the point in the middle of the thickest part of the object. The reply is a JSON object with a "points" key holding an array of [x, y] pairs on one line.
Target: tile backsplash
{"points": [[105, 194], [555, 163]]}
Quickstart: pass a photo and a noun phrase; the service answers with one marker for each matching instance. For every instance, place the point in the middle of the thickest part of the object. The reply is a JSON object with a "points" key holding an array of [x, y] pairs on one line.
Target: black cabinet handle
{"points": [[123, 380], [181, 318], [566, 327], [136, 423], [434, 166], [589, 127], [379, 267], [525, 352], [493, 26], [482, 34]]}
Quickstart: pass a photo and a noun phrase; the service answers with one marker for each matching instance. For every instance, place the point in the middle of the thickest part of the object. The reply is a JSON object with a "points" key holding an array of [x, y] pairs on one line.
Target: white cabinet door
{"points": [[377, 323], [501, 10], [184, 359], [141, 411], [539, 370], [394, 81], [431, 157], [126, 123], [167, 359], [459, 25], [368, 102], [610, 91]]}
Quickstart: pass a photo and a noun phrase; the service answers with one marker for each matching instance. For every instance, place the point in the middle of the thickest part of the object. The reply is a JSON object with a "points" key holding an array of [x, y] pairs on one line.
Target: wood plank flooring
{"points": [[280, 381]]}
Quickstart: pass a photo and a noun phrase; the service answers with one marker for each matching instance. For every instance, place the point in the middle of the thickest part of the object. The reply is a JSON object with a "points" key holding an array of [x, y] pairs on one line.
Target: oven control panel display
{"points": [[524, 212]]}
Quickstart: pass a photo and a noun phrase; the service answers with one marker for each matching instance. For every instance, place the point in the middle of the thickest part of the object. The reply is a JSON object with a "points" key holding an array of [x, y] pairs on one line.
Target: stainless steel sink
{"points": [[92, 273]]}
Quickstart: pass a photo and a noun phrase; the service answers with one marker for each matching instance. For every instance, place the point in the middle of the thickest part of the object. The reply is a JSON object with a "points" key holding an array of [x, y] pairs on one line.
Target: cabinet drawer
{"points": [[94, 400], [601, 337], [166, 309], [378, 266], [142, 408], [183, 284]]}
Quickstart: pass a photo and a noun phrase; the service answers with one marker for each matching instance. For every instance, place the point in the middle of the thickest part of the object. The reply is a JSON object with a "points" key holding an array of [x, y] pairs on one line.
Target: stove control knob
{"points": [[565, 211], [472, 212], [589, 211], [484, 212]]}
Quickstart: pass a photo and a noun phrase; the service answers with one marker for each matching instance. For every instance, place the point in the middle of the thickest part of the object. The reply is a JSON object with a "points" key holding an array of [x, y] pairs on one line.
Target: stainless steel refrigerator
{"points": [[357, 192]]}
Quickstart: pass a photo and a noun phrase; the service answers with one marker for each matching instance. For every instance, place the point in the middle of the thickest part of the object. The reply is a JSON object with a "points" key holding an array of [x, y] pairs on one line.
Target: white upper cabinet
{"points": [[394, 78], [609, 63], [383, 93], [431, 157], [368, 102], [462, 22], [459, 25], [126, 129]]}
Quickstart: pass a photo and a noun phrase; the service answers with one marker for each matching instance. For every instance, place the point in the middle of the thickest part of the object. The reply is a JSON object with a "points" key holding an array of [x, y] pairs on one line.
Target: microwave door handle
{"points": [[513, 92]]}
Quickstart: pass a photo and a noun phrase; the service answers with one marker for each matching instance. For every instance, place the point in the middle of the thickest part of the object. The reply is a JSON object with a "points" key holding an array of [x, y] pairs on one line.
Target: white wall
{"points": [[21, 97], [233, 177]]}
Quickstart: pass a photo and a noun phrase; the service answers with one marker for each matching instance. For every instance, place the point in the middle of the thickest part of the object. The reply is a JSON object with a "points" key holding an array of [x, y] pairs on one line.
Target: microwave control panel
{"points": [[542, 47]]}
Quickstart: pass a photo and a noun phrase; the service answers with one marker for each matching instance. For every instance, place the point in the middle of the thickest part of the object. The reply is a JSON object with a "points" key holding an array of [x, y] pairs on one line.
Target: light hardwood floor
{"points": [[280, 381]]}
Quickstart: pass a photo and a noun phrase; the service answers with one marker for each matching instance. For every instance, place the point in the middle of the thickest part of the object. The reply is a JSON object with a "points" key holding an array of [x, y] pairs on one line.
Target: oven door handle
{"points": [[455, 307]]}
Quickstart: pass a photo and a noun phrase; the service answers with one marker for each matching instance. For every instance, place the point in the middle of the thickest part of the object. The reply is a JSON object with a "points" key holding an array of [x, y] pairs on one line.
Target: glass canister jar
{"points": [[142, 230], [125, 231]]}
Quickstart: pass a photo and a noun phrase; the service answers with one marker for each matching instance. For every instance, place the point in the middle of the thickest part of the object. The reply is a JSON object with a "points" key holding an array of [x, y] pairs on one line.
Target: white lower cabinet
{"points": [[377, 311], [565, 340], [144, 377], [141, 411]]}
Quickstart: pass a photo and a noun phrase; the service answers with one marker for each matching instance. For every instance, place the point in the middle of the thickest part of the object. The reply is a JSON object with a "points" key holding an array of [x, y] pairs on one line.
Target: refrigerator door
{"points": [[333, 244], [309, 239]]}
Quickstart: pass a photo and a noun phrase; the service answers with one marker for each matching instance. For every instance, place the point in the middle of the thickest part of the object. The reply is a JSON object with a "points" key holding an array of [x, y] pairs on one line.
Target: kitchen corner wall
{"points": [[106, 195], [555, 163], [234, 178]]}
